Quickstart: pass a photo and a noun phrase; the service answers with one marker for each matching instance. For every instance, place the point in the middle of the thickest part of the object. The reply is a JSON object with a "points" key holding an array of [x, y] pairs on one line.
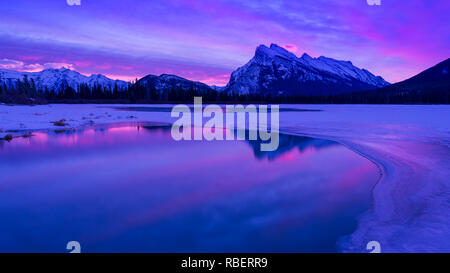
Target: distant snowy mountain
{"points": [[166, 82], [277, 71], [56, 79]]}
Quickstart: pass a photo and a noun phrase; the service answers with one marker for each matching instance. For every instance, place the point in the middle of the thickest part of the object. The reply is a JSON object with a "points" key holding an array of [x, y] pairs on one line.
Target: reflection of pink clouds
{"points": [[297, 155], [86, 138], [40, 137], [183, 177], [357, 179], [222, 186], [37, 142], [122, 129], [352, 177], [353, 180]]}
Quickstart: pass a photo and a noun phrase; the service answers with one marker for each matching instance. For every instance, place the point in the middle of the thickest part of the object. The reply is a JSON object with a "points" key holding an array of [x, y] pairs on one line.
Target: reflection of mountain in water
{"points": [[164, 128], [288, 143]]}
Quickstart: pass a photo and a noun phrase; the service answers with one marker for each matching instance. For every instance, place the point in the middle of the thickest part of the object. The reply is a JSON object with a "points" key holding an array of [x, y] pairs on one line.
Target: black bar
{"points": [[232, 262]]}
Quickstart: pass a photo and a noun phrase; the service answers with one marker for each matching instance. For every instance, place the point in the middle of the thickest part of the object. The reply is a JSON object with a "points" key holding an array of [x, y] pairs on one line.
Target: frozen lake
{"points": [[408, 209], [134, 189]]}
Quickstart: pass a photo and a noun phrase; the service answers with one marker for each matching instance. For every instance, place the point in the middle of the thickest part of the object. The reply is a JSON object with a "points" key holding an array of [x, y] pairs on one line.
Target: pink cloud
{"points": [[290, 47], [36, 67], [205, 39]]}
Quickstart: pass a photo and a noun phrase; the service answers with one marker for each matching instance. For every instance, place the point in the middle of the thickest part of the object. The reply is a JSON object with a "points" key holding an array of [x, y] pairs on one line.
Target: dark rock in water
{"points": [[8, 137], [29, 134], [61, 122]]}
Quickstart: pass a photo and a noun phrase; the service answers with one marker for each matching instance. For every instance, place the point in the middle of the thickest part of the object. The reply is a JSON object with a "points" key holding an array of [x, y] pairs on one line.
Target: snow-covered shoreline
{"points": [[410, 211], [410, 144]]}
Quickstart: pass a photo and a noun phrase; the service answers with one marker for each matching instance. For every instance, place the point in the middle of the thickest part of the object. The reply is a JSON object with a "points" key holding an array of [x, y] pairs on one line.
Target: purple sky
{"points": [[206, 40]]}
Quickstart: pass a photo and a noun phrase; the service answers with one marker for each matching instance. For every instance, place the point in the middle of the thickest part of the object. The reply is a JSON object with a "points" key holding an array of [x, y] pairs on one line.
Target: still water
{"points": [[134, 189]]}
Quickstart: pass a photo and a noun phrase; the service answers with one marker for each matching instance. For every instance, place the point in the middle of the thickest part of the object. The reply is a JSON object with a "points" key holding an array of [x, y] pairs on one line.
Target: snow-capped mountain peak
{"points": [[56, 79], [306, 57], [268, 54], [277, 71]]}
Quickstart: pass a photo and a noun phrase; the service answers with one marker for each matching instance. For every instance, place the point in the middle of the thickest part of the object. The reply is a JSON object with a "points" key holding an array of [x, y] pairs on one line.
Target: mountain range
{"points": [[56, 79], [272, 71]]}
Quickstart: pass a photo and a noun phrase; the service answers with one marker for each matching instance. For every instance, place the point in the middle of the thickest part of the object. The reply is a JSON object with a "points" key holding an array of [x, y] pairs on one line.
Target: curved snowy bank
{"points": [[411, 203]]}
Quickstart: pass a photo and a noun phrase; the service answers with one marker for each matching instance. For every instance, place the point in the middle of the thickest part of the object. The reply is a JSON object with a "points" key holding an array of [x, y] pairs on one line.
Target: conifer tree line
{"points": [[25, 91]]}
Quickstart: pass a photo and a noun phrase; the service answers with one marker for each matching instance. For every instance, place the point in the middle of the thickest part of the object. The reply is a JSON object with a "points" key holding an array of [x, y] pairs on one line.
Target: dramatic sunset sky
{"points": [[206, 40]]}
